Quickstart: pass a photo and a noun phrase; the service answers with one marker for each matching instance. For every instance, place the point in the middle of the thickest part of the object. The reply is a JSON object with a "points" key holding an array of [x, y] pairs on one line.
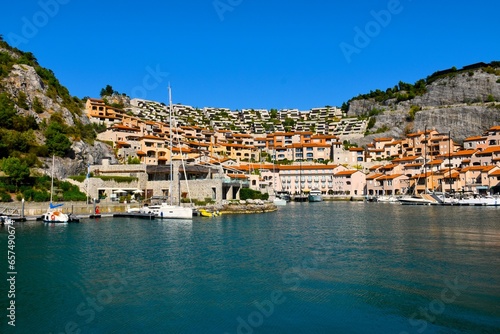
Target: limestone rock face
{"points": [[461, 88], [24, 78], [466, 103], [84, 154]]}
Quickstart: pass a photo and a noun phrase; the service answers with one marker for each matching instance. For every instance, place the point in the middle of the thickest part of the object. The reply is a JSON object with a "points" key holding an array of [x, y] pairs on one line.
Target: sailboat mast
{"points": [[52, 180], [170, 145]]}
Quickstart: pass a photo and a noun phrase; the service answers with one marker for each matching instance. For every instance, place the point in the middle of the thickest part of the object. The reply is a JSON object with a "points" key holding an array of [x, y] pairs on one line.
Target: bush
{"points": [[4, 197], [247, 193]]}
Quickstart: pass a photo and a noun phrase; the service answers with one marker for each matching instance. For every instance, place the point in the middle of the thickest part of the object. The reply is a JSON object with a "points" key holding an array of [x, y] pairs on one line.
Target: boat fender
{"points": [[97, 211], [52, 217]]}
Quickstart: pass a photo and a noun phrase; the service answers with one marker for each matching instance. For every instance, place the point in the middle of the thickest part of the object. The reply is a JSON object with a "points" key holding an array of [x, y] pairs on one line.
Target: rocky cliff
{"points": [[465, 102], [34, 92]]}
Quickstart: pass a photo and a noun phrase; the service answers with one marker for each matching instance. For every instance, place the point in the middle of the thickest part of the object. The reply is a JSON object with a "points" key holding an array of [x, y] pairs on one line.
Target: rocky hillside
{"points": [[39, 118], [464, 101]]}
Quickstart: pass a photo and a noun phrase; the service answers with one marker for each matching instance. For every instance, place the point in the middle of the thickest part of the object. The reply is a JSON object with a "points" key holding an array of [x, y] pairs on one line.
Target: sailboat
{"points": [[53, 215], [169, 210]]}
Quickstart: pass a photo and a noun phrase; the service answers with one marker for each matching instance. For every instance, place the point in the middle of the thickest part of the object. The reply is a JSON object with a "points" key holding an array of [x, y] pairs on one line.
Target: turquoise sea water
{"points": [[307, 268]]}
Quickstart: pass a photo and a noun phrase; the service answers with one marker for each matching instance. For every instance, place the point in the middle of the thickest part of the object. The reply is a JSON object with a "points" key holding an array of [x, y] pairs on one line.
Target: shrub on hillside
{"points": [[4, 197]]}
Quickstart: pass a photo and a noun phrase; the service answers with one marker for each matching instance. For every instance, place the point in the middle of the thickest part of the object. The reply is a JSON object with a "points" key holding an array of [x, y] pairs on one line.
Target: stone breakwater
{"points": [[248, 206]]}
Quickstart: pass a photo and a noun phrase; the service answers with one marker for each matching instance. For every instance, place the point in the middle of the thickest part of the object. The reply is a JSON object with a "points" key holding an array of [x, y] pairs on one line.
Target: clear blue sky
{"points": [[250, 53]]}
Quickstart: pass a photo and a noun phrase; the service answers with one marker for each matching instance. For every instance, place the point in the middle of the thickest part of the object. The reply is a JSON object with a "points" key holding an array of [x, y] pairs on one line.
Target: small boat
{"points": [[387, 199], [284, 195], [279, 201], [55, 217], [6, 220], [205, 213], [315, 196], [416, 200]]}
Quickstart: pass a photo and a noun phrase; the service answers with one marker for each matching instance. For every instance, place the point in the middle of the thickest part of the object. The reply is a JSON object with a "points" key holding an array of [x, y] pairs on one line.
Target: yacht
{"points": [[477, 200], [167, 211], [315, 196]]}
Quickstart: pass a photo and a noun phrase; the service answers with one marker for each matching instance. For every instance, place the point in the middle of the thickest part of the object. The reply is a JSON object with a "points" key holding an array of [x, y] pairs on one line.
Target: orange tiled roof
{"points": [[390, 177], [477, 168], [475, 138], [376, 167], [374, 176], [346, 172], [464, 153], [489, 150]]}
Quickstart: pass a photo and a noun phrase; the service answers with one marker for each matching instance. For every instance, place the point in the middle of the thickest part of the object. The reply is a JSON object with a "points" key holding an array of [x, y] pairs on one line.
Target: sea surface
{"points": [[329, 267]]}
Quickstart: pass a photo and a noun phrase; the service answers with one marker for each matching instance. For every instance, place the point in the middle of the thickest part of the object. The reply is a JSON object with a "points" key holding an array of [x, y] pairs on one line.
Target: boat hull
{"points": [[415, 201], [168, 211], [279, 202], [315, 198], [55, 217]]}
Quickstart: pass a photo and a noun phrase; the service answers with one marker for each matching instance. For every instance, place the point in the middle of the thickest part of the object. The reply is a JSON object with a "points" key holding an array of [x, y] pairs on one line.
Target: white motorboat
{"points": [[6, 220], [416, 200], [167, 211], [387, 199], [480, 201], [279, 201], [315, 196]]}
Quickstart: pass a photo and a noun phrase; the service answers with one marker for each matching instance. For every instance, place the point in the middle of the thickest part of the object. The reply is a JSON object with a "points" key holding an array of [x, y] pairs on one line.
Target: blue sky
{"points": [[250, 53]]}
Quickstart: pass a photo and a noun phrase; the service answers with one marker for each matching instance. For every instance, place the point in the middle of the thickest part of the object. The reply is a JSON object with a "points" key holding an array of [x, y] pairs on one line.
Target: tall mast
{"points": [[52, 180], [170, 145]]}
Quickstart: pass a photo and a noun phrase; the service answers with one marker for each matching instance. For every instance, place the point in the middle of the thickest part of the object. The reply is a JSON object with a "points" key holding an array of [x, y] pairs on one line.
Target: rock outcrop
{"points": [[41, 102], [466, 103]]}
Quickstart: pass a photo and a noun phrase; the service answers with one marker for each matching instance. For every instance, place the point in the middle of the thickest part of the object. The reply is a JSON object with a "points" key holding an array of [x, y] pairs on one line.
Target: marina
{"points": [[318, 268]]}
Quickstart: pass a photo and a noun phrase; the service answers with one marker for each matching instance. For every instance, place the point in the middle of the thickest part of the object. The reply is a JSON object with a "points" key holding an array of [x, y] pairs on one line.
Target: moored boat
{"points": [[479, 201], [279, 202], [53, 215], [6, 220], [166, 211], [206, 213], [416, 200], [315, 196]]}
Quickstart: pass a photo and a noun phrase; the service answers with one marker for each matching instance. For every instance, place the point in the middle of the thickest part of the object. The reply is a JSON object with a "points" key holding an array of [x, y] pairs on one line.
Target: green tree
{"points": [[18, 171], [344, 107], [58, 144], [7, 111], [37, 106], [108, 91], [22, 100], [56, 140]]}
